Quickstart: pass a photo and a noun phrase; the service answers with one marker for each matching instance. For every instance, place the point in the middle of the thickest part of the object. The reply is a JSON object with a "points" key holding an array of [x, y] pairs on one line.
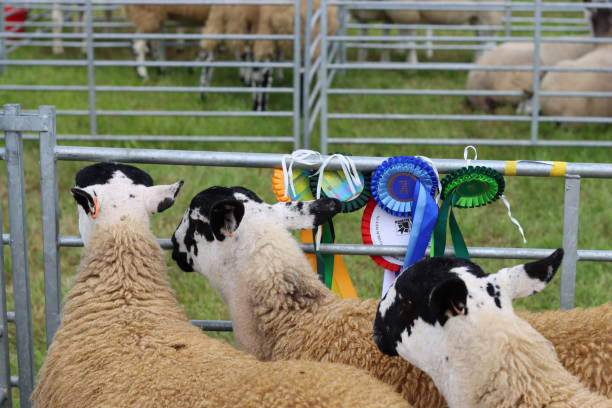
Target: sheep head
{"points": [[440, 303], [108, 192], [600, 19], [211, 223]]}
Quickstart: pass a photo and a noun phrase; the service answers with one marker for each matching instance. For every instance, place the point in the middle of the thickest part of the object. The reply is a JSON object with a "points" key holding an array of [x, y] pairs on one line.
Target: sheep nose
{"points": [[324, 209]]}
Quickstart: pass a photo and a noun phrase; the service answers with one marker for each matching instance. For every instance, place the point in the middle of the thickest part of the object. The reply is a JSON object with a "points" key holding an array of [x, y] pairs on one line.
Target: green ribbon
{"points": [[439, 240], [325, 262]]}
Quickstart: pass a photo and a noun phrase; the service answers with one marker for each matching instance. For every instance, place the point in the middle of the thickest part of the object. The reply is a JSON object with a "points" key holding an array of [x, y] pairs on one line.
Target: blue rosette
{"points": [[393, 183]]}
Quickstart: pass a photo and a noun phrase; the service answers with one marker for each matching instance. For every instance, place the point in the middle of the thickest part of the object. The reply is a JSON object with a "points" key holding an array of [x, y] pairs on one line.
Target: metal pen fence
{"points": [[14, 123], [535, 10], [92, 39]]}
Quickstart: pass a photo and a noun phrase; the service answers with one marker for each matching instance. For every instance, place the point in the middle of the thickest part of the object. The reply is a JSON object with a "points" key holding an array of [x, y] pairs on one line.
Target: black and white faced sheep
{"points": [[449, 318], [282, 311], [124, 341]]}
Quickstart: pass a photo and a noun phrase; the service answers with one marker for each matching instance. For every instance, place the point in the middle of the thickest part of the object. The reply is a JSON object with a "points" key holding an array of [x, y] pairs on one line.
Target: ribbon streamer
{"points": [[424, 218]]}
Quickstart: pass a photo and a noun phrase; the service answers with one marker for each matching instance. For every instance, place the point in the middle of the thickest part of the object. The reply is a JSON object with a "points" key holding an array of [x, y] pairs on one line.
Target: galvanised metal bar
{"points": [[271, 160], [399, 140], [175, 138], [488, 118], [535, 112], [297, 65], [306, 78], [343, 17], [91, 73], [465, 6], [571, 212], [5, 361], [591, 255], [178, 89], [276, 114], [19, 259], [324, 80], [3, 53], [161, 2], [157, 36], [50, 224]]}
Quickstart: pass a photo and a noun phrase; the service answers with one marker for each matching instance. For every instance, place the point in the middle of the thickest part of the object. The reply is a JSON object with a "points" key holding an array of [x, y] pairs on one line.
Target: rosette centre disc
{"points": [[401, 186], [472, 188]]}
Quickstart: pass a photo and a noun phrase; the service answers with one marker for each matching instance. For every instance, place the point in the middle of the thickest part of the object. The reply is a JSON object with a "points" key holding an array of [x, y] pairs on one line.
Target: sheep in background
{"points": [[280, 20], [57, 18], [281, 310], [472, 17], [515, 54], [150, 18], [124, 341], [449, 318]]}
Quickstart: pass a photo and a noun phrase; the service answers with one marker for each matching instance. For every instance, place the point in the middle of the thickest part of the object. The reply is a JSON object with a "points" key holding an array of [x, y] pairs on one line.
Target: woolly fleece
{"points": [[125, 342]]}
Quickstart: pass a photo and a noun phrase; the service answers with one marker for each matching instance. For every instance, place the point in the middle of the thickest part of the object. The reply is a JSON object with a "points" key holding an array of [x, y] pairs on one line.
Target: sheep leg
{"points": [[279, 72], [245, 72], [207, 71], [140, 49], [79, 19], [411, 56], [429, 43], [158, 52], [262, 78], [362, 53], [385, 55], [58, 21], [181, 42]]}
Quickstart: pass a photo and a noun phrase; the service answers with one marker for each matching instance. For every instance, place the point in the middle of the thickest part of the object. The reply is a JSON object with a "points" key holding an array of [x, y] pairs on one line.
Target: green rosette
{"points": [[474, 186]]}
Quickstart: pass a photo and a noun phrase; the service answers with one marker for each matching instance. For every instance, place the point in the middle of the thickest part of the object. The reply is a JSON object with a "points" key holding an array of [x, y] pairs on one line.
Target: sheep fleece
{"points": [[125, 342]]}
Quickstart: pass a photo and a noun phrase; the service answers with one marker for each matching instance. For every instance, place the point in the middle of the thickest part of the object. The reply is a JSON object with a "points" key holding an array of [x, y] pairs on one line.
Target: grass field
{"points": [[536, 202]]}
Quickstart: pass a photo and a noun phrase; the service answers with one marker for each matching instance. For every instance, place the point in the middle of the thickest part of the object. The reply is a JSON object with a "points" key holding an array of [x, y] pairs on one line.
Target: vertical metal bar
{"points": [[3, 54], [343, 20], [297, 66], [91, 74], [19, 259], [323, 79], [50, 223], [571, 212], [306, 76], [508, 19], [5, 362], [535, 102]]}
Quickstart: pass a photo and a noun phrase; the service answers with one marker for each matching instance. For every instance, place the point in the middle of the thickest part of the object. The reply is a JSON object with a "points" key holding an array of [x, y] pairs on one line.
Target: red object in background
{"points": [[16, 16]]}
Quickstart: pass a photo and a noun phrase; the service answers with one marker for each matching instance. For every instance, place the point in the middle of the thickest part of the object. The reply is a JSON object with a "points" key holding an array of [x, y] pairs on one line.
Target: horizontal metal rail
{"points": [[401, 140], [466, 6], [147, 2], [181, 89], [270, 160], [484, 118]]}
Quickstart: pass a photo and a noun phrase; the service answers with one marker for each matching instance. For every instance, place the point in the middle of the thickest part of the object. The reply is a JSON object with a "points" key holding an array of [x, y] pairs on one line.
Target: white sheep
{"points": [[57, 19], [282, 311], [279, 20], [442, 17], [150, 18], [449, 318], [124, 341], [515, 54]]}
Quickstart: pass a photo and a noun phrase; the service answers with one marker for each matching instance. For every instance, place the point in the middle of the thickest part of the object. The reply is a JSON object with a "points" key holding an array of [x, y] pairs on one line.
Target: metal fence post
{"points": [[297, 66], [323, 78], [5, 361], [3, 54], [343, 20], [535, 102], [571, 212], [50, 223], [91, 73], [508, 19], [19, 259], [306, 77]]}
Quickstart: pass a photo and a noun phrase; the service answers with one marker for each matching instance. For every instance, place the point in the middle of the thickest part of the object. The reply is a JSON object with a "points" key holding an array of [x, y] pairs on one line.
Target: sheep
{"points": [[149, 18], [515, 54], [474, 17], [281, 310], [57, 18], [449, 318], [279, 20], [124, 341]]}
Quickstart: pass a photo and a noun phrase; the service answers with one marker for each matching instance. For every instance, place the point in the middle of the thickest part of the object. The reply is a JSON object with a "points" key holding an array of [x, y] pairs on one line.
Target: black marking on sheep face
{"points": [[324, 209], [545, 269], [102, 173], [429, 291], [495, 293], [182, 259]]}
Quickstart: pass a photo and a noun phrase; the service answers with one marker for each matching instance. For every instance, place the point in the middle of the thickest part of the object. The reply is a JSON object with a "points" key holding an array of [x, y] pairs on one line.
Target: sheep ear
{"points": [[530, 278], [225, 217], [84, 199], [448, 299], [160, 198], [600, 21]]}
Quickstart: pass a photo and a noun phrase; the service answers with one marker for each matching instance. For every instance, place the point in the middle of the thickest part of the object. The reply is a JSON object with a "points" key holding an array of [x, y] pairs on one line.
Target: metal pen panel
{"points": [[91, 73], [19, 259], [5, 362], [50, 224], [571, 213]]}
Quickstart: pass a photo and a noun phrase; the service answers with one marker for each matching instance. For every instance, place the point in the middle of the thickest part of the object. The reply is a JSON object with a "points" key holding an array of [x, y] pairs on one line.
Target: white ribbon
{"points": [[466, 152], [348, 168], [303, 156], [514, 220], [433, 166]]}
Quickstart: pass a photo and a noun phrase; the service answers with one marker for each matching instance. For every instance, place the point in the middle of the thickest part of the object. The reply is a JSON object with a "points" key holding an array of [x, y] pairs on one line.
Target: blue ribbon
{"points": [[424, 217]]}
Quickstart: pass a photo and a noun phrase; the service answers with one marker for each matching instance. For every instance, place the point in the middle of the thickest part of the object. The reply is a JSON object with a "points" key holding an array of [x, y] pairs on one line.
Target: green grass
{"points": [[536, 202]]}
